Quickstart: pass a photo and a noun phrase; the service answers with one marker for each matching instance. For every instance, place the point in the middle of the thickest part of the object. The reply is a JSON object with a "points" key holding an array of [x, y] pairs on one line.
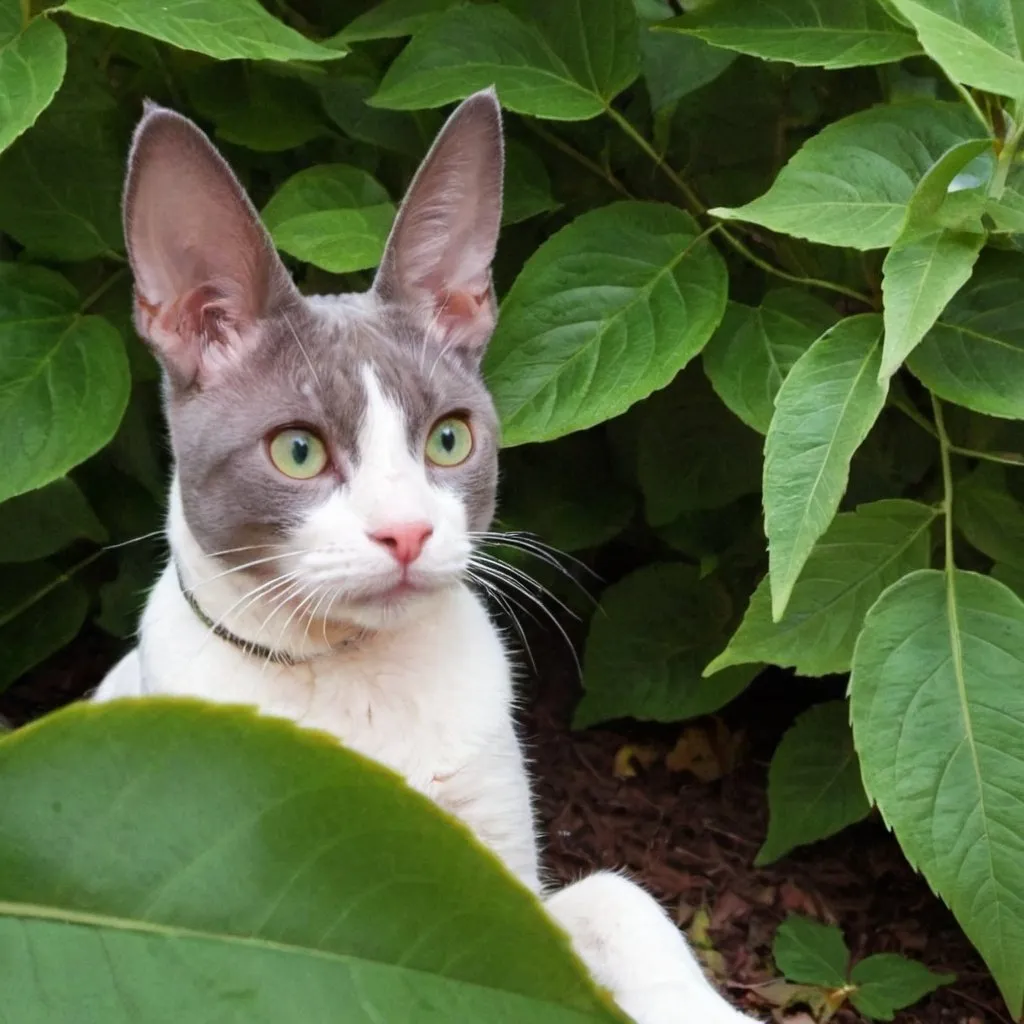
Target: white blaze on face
{"points": [[389, 486]]}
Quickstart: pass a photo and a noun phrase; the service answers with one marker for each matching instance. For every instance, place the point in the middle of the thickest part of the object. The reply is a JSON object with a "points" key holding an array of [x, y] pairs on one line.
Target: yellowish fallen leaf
{"points": [[628, 756]]}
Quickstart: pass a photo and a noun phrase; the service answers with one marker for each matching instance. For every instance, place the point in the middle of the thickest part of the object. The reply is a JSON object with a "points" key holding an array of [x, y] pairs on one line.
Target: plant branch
{"points": [[574, 154], [947, 482], [102, 290], [965, 95], [700, 210], [12, 613]]}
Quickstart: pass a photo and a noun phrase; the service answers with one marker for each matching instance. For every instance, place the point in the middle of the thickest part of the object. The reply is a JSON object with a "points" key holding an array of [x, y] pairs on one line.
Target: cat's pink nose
{"points": [[404, 540]]}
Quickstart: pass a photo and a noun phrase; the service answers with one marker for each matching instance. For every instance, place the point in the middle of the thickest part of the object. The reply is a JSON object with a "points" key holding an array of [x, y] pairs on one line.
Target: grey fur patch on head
{"points": [[245, 355]]}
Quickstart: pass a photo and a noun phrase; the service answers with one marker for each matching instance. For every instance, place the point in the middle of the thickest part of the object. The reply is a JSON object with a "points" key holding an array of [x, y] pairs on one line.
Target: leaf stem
{"points": [[574, 154], [1004, 459], [965, 95], [1007, 155], [700, 210], [58, 581], [947, 481], [102, 290]]}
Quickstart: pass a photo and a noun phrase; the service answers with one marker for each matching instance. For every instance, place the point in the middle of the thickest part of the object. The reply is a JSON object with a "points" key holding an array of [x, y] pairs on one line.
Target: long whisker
{"points": [[502, 600], [249, 597], [237, 568], [521, 576]]}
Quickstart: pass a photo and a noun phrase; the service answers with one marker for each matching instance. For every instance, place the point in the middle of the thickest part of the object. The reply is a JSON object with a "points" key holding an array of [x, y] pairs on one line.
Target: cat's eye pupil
{"points": [[300, 450], [448, 439]]}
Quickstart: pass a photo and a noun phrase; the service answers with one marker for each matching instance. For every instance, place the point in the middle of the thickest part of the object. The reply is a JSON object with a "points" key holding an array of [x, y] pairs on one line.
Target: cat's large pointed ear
{"points": [[206, 273], [437, 262]]}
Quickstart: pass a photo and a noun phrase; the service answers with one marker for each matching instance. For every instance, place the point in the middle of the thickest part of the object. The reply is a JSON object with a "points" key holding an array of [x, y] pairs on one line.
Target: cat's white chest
{"points": [[423, 700]]}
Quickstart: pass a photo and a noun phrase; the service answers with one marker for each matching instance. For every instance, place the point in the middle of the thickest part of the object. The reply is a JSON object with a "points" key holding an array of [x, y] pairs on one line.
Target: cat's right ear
{"points": [[206, 273]]}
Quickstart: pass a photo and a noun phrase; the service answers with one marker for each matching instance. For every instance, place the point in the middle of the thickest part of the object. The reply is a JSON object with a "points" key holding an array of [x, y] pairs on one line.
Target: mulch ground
{"points": [[691, 842]]}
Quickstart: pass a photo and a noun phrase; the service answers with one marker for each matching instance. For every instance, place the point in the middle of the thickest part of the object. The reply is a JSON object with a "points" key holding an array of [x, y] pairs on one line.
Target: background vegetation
{"points": [[762, 305]]}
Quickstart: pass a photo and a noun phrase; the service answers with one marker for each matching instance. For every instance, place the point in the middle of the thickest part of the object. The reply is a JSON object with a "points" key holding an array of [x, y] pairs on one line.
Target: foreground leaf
{"points": [[755, 347], [42, 522], [212, 855], [851, 183], [333, 216], [553, 62], [40, 611], [224, 29], [605, 312], [32, 64], [824, 33], [860, 554], [64, 379], [938, 715], [929, 263], [974, 356], [977, 44], [824, 410], [887, 982], [647, 644], [814, 787], [811, 953]]}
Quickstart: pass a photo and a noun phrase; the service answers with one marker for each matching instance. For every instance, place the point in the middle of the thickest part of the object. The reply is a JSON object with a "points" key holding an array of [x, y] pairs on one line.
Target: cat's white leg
{"points": [[633, 950], [123, 680]]}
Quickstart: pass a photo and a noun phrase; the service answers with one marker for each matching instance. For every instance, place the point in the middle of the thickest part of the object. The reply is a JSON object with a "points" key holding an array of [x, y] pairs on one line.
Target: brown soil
{"points": [[691, 842]]}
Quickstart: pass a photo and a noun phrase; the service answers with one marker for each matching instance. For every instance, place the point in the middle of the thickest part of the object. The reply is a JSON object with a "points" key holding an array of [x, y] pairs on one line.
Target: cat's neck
{"points": [[251, 608]]}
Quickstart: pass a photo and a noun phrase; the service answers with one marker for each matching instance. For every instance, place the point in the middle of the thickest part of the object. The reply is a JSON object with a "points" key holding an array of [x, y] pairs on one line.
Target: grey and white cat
{"points": [[335, 462]]}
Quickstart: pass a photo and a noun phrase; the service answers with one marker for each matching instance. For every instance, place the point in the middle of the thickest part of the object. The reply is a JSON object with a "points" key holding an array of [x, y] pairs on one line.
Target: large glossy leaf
{"points": [[54, 213], [564, 61], [938, 720], [647, 644], [754, 348], [851, 183], [814, 787], [41, 610], [860, 554], [40, 523], [980, 43], [823, 412], [974, 356], [33, 59], [64, 379], [828, 33], [605, 312], [224, 29], [214, 862], [334, 216]]}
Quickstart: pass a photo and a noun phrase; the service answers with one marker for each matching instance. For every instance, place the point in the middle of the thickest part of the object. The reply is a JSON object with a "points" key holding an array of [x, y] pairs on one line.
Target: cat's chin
{"points": [[395, 605]]}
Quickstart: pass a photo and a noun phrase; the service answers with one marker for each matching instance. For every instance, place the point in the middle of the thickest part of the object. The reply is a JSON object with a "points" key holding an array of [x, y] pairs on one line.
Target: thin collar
{"points": [[264, 654]]}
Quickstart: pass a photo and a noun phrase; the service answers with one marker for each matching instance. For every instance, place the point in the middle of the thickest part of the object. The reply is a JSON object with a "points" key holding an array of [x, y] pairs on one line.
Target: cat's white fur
{"points": [[432, 700]]}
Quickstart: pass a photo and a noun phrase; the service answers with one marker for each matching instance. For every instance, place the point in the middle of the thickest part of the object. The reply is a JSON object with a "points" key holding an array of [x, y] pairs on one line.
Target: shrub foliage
{"points": [[762, 293]]}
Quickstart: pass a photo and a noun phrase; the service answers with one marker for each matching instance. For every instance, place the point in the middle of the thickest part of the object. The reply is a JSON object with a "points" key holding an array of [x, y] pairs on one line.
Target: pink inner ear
{"points": [[465, 317]]}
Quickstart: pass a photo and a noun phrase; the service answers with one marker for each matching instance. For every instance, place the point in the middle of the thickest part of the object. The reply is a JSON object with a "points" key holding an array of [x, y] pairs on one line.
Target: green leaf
{"points": [[648, 641], [40, 612], [527, 186], [824, 33], [32, 64], [974, 356], [606, 311], [860, 554], [61, 215], [220, 862], [754, 348], [225, 29], [989, 516], [979, 44], [814, 787], [565, 492], [40, 523], [928, 263], [683, 431], [557, 62], [823, 412], [262, 111], [851, 183], [122, 599], [887, 982], [394, 19], [63, 379], [811, 953], [333, 216], [675, 65], [938, 714]]}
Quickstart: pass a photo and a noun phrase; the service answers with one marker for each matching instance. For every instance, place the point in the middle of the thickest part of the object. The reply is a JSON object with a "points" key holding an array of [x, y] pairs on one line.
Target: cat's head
{"points": [[345, 445]]}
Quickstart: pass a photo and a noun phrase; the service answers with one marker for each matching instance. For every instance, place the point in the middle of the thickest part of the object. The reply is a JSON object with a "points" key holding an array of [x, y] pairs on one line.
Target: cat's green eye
{"points": [[450, 442], [298, 453]]}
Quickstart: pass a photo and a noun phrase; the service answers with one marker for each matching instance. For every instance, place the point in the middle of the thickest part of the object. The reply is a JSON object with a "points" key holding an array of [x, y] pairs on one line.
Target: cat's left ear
{"points": [[437, 262]]}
